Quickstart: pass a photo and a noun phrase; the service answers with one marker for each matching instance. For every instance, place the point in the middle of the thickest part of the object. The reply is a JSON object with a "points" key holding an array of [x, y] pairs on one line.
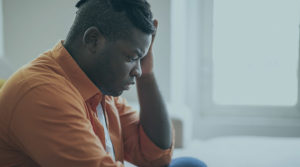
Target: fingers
{"points": [[155, 22]]}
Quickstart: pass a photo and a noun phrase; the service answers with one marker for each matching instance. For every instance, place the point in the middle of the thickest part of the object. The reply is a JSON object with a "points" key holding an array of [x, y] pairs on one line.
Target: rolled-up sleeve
{"points": [[51, 126], [138, 148]]}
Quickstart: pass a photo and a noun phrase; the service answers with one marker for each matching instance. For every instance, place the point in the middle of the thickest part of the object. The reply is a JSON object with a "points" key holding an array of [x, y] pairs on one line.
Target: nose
{"points": [[137, 70]]}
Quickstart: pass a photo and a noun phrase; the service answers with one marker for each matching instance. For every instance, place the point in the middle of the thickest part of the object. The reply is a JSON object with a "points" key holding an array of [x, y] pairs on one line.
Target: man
{"points": [[64, 109]]}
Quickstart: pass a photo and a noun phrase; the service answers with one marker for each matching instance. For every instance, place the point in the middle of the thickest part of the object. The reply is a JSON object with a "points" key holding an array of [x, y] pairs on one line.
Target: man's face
{"points": [[118, 63]]}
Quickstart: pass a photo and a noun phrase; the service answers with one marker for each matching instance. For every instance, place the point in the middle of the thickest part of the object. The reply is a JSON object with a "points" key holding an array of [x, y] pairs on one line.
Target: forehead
{"points": [[136, 41]]}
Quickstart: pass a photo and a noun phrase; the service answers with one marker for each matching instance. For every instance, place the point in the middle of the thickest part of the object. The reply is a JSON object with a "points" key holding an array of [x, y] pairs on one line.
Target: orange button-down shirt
{"points": [[48, 118]]}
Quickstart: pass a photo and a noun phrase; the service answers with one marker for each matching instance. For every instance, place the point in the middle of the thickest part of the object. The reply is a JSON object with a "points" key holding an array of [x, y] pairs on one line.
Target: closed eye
{"points": [[132, 59]]}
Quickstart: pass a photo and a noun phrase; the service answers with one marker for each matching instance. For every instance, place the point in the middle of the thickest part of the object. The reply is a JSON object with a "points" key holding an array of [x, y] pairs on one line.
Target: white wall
{"points": [[32, 27], [5, 68], [1, 29]]}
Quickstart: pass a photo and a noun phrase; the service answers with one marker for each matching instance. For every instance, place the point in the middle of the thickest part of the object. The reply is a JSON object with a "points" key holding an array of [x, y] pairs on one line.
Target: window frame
{"points": [[259, 110], [196, 91]]}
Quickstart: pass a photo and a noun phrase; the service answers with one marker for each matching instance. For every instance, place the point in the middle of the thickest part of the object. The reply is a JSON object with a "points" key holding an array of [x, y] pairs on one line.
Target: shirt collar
{"points": [[74, 73]]}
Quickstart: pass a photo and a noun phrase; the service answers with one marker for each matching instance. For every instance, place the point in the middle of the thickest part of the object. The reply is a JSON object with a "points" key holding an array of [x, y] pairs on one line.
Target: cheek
{"points": [[119, 67], [125, 69], [121, 70]]}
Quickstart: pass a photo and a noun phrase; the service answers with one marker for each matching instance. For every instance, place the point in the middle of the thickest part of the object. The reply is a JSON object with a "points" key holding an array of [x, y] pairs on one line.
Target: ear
{"points": [[93, 39]]}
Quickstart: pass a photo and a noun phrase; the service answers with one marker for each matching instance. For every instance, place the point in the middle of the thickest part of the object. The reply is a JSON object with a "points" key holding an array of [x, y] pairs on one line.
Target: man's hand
{"points": [[147, 61]]}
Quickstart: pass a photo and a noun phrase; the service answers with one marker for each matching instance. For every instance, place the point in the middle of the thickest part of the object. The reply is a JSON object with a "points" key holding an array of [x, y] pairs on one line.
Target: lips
{"points": [[131, 83]]}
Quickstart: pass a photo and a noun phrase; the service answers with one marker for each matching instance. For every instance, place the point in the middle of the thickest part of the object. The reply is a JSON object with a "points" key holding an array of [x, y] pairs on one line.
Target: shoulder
{"points": [[36, 79]]}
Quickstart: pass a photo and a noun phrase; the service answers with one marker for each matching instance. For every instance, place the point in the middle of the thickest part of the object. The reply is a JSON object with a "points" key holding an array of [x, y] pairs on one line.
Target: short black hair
{"points": [[113, 18]]}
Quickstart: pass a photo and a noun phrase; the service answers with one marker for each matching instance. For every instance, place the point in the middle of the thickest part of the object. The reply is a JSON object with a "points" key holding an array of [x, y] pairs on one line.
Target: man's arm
{"points": [[153, 115]]}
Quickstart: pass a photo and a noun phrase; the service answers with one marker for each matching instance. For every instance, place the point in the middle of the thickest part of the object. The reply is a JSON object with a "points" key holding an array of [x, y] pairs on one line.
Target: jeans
{"points": [[187, 162]]}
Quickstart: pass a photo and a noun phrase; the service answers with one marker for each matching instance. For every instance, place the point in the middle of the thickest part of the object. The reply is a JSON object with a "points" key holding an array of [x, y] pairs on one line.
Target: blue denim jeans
{"points": [[187, 162]]}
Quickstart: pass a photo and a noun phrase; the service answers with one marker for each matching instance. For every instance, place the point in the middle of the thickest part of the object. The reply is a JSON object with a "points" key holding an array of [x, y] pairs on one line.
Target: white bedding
{"points": [[244, 152]]}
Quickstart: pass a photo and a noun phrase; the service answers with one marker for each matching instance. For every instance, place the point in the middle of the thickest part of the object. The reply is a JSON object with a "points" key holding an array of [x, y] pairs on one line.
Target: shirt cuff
{"points": [[151, 151]]}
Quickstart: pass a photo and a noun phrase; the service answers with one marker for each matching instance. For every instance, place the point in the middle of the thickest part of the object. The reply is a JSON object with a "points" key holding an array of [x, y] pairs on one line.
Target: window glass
{"points": [[255, 52]]}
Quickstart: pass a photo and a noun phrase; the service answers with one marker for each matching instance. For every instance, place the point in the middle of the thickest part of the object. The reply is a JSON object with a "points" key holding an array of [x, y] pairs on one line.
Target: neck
{"points": [[73, 47], [69, 47]]}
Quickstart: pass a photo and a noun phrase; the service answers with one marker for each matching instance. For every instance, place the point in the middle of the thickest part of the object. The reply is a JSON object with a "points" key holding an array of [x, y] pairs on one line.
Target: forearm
{"points": [[153, 115]]}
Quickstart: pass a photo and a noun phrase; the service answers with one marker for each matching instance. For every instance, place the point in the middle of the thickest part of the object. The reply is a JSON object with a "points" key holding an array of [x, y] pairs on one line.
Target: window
{"points": [[236, 56], [255, 52], [234, 64]]}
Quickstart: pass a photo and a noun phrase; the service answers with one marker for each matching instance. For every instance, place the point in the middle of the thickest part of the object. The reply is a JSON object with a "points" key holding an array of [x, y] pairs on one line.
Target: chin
{"points": [[116, 94], [110, 92]]}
